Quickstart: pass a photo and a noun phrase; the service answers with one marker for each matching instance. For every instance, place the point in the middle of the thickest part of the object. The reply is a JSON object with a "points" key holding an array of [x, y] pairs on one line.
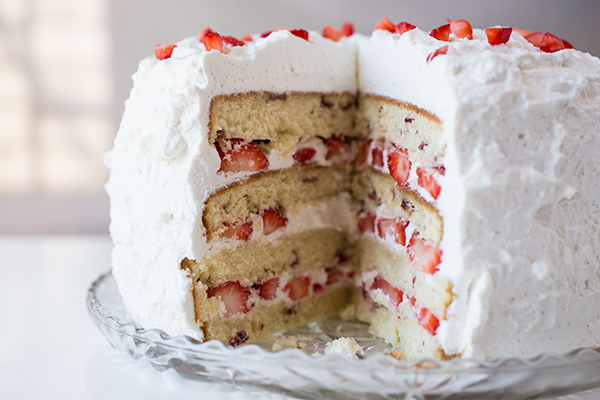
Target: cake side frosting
{"points": [[163, 168], [518, 125]]}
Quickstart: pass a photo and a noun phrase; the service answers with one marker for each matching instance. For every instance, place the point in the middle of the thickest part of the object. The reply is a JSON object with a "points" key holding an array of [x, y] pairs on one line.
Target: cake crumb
{"points": [[346, 346], [290, 342], [316, 354]]}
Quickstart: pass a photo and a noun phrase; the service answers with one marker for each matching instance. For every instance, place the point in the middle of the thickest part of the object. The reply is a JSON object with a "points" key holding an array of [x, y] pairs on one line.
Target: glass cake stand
{"points": [[299, 373]]}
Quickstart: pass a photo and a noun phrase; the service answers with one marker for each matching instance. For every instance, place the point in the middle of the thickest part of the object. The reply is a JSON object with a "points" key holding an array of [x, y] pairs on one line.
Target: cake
{"points": [[441, 186]]}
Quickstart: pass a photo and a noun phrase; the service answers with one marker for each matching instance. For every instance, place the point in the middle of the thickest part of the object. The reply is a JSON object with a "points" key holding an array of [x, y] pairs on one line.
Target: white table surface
{"points": [[50, 349]]}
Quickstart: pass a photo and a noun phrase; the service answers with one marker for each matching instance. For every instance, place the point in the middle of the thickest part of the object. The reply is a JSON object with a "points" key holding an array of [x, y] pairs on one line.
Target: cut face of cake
{"points": [[442, 187]]}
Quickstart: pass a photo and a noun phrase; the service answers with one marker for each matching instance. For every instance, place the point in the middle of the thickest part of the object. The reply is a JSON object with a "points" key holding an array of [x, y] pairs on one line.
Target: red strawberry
{"points": [[567, 44], [434, 54], [334, 275], [243, 157], [233, 295], [366, 223], [522, 32], [392, 228], [393, 293], [428, 321], [403, 27], [535, 38], [496, 36], [385, 25], [427, 182], [399, 165], [272, 221], [330, 32], [247, 38], [265, 34], [551, 43], [337, 147], [163, 51], [441, 33], [241, 231], [363, 152], [213, 41], [461, 29], [347, 29], [301, 33], [304, 155], [425, 257], [230, 40], [377, 157], [298, 287], [317, 288], [204, 33], [268, 289]]}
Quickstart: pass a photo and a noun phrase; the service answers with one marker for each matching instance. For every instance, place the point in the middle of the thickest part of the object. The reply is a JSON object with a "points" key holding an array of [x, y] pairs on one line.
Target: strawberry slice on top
{"points": [[213, 41], [163, 51], [233, 295], [461, 29], [330, 32], [240, 156], [404, 27], [496, 36], [441, 33], [385, 25]]}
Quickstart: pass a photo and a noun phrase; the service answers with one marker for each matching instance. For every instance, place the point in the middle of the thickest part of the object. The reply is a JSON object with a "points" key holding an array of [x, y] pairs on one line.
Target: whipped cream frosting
{"points": [[519, 199]]}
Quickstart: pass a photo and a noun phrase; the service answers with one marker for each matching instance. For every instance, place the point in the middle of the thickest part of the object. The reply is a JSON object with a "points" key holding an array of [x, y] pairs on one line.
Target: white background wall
{"points": [[65, 68]]}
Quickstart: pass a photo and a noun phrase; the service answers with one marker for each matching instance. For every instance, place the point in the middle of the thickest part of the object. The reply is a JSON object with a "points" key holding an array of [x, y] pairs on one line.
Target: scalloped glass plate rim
{"points": [[250, 352]]}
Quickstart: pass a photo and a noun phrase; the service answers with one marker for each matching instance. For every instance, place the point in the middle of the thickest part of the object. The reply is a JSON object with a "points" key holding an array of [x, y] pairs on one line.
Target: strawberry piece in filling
{"points": [[272, 220], [424, 257], [334, 275], [404, 27], [337, 147], [394, 229], [242, 157], [363, 153], [377, 157], [399, 165], [366, 223], [427, 182], [163, 51], [385, 25], [298, 287], [241, 231], [268, 290], [461, 29], [496, 36], [428, 321], [213, 41], [233, 295], [393, 293], [441, 33], [304, 155]]}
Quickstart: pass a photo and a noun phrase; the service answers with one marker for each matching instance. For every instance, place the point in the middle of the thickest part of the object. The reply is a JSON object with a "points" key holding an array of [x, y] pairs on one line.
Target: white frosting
{"points": [[519, 199]]}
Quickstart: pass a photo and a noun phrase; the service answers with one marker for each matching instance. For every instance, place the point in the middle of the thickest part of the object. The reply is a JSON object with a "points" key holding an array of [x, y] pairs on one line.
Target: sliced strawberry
{"points": [[496, 36], [233, 42], [347, 29], [301, 33], [461, 29], [377, 157], [551, 43], [203, 33], [567, 44], [399, 165], [427, 182], [268, 289], [366, 223], [213, 41], [337, 147], [363, 153], [334, 275], [393, 293], [434, 54], [233, 295], [247, 38], [392, 228], [272, 221], [535, 38], [522, 32], [298, 287], [404, 27], [265, 34], [425, 257], [385, 25], [317, 288], [163, 51], [304, 155], [330, 32], [240, 231], [441, 33], [242, 157], [428, 321]]}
